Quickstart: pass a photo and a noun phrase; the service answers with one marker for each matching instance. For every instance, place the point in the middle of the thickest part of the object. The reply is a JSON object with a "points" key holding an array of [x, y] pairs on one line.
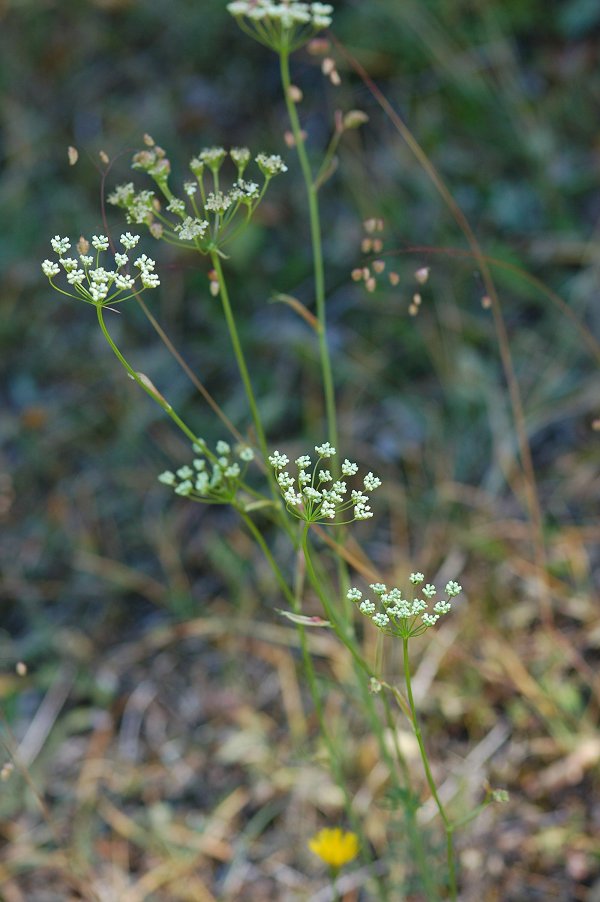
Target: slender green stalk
{"points": [[313, 685], [317, 250], [239, 354], [449, 826], [142, 383], [348, 639]]}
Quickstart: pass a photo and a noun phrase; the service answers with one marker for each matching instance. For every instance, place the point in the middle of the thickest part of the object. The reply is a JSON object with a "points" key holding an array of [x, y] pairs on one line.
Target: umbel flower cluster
{"points": [[214, 477], [398, 616], [283, 26], [206, 217], [93, 283], [313, 495]]}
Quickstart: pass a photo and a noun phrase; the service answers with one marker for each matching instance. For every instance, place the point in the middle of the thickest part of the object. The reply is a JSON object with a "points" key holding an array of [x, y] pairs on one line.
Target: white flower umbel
{"points": [[214, 476], [95, 284], [397, 616], [314, 497], [207, 215], [282, 26]]}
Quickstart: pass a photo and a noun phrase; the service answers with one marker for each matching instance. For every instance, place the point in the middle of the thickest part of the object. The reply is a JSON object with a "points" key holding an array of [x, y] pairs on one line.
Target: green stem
{"points": [[449, 826], [239, 354], [317, 250], [348, 638], [136, 377], [334, 755]]}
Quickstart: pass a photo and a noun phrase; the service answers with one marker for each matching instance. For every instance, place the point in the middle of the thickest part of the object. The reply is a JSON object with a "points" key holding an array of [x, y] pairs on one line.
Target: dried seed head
{"points": [[356, 274], [355, 118], [83, 245], [377, 245], [378, 265], [394, 278], [371, 284], [366, 245], [148, 140], [417, 300]]}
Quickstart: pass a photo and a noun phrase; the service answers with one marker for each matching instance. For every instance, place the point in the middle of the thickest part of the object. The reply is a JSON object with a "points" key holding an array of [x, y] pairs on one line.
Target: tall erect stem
{"points": [[317, 250], [239, 354], [448, 825]]}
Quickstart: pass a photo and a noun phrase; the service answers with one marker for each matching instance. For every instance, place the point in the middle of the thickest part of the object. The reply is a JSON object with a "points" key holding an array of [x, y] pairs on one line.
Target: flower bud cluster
{"points": [[204, 217], [315, 496], [214, 476], [395, 615], [92, 282], [282, 26]]}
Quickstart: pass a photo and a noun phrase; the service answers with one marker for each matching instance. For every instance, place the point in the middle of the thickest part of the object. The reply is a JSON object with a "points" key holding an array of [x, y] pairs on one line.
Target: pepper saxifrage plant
{"points": [[206, 215]]}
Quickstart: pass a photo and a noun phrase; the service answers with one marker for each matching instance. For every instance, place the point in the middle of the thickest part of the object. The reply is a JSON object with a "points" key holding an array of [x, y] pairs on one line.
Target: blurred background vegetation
{"points": [[156, 714]]}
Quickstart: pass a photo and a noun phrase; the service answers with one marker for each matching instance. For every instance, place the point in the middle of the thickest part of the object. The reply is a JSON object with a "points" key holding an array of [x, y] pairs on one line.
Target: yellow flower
{"points": [[334, 846]]}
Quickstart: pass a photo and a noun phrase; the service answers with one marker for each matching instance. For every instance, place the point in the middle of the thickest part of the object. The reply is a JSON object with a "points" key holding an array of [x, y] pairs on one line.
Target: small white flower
{"points": [[430, 619], [60, 245], [328, 509], [190, 188], [442, 607], [185, 472], [213, 156], [325, 476], [278, 461], [86, 260], [416, 578], [122, 194], [167, 478], [191, 228], [366, 607], [75, 277], [144, 263], [380, 619], [100, 242], [124, 282], [270, 165], [223, 447], [199, 464], [303, 462], [240, 156], [246, 454], [378, 588], [233, 471], [429, 590], [312, 494], [349, 468], [202, 482], [354, 594], [453, 589], [68, 263], [149, 279], [371, 482], [184, 488], [121, 259], [325, 450], [176, 206], [129, 241], [49, 268]]}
